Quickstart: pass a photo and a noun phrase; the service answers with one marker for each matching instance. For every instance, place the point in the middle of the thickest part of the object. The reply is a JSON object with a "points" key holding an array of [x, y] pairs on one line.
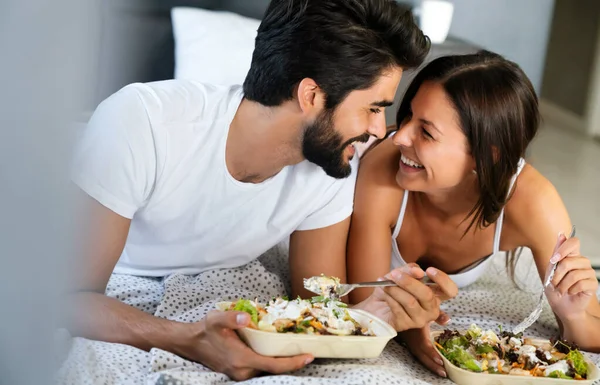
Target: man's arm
{"points": [[115, 166], [316, 252], [94, 315], [212, 341]]}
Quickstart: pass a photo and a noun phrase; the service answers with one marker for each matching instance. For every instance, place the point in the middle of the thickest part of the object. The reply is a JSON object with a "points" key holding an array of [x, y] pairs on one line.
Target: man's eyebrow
{"points": [[382, 103]]}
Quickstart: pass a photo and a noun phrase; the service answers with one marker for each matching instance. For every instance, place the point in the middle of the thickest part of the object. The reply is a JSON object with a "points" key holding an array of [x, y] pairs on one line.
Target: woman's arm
{"points": [[538, 213], [377, 200]]}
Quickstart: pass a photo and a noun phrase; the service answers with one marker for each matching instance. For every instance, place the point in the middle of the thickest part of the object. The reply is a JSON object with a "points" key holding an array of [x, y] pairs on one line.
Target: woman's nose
{"points": [[404, 136]]}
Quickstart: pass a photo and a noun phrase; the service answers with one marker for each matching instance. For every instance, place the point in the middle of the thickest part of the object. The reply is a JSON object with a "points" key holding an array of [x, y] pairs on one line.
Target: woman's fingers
{"points": [[443, 318], [568, 247], [431, 359], [578, 281], [445, 287], [570, 264], [586, 286]]}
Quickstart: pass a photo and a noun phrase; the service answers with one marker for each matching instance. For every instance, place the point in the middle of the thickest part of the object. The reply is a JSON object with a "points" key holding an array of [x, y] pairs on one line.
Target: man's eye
{"points": [[375, 110]]}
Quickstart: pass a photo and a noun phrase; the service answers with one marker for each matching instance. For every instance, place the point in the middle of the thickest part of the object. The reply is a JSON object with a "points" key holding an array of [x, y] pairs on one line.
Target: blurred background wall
{"points": [[46, 72]]}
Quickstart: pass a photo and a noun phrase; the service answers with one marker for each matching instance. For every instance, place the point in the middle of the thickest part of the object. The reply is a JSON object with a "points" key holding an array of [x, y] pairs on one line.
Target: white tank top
{"points": [[471, 273]]}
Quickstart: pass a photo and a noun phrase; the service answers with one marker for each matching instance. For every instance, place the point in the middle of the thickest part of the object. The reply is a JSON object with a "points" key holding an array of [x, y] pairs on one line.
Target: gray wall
{"points": [[517, 29], [570, 55], [136, 40], [46, 71]]}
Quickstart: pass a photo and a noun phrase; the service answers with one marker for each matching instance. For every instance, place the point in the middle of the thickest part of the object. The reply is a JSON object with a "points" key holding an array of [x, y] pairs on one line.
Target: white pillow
{"points": [[213, 47]]}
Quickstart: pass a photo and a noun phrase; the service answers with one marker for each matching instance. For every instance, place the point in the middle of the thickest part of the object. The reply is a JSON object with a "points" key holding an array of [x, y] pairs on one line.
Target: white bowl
{"points": [[465, 377], [329, 346]]}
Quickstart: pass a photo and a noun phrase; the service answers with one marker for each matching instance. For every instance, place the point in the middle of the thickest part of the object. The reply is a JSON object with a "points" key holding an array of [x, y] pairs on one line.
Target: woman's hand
{"points": [[574, 283], [411, 304], [419, 344]]}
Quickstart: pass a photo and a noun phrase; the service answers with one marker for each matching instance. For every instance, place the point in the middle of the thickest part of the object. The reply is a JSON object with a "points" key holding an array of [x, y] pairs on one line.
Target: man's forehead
{"points": [[382, 92]]}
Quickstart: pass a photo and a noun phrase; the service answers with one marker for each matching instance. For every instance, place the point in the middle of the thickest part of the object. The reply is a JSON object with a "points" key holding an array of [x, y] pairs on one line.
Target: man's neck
{"points": [[262, 141]]}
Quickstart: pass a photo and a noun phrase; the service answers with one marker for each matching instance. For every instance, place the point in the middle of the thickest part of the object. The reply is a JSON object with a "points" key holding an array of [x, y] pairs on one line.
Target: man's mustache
{"points": [[364, 138]]}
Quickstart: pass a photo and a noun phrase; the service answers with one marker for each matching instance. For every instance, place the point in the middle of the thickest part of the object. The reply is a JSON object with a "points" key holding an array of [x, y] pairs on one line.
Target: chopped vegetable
{"points": [[559, 374], [316, 316], [247, 306], [578, 362], [473, 333], [564, 346], [511, 354], [461, 358], [484, 348]]}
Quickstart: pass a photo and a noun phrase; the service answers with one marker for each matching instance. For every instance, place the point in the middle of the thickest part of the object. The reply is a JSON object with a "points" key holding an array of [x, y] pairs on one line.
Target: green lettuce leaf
{"points": [[559, 374], [578, 362], [484, 349], [246, 306], [459, 341], [473, 333], [461, 358]]}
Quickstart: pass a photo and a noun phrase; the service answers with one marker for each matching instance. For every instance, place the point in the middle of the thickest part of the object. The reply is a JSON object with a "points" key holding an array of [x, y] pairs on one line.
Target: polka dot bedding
{"points": [[491, 301]]}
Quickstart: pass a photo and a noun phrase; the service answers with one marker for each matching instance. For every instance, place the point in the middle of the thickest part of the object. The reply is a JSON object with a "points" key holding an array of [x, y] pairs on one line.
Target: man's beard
{"points": [[322, 145]]}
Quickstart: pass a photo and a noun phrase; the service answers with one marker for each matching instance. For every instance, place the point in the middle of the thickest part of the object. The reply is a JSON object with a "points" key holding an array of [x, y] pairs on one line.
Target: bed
{"points": [[491, 301], [139, 45]]}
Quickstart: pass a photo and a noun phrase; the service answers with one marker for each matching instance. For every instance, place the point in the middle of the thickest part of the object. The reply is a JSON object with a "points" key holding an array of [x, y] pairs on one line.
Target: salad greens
{"points": [[507, 353]]}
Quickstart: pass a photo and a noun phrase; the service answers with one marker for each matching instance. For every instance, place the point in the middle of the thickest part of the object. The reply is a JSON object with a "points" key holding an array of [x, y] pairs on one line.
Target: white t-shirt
{"points": [[155, 153]]}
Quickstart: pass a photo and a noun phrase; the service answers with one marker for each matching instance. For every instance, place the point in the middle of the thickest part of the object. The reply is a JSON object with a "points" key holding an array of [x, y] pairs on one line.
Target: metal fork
{"points": [[535, 314], [344, 289]]}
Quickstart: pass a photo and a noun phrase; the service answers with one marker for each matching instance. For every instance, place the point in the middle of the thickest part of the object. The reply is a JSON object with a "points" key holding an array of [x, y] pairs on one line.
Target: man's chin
{"points": [[338, 172]]}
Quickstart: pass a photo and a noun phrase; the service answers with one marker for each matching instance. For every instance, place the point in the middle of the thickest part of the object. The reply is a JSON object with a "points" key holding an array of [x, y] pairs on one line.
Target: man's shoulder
{"points": [[163, 88], [181, 99]]}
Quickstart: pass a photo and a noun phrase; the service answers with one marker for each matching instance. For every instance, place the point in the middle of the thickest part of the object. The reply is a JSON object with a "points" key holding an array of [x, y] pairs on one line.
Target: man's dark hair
{"points": [[343, 45]]}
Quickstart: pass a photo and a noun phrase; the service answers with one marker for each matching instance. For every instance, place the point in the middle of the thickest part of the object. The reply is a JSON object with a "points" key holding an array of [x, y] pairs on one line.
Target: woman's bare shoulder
{"points": [[380, 164], [535, 204], [376, 189]]}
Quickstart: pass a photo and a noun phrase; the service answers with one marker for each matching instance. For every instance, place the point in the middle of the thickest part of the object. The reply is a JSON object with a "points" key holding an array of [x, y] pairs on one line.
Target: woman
{"points": [[450, 188]]}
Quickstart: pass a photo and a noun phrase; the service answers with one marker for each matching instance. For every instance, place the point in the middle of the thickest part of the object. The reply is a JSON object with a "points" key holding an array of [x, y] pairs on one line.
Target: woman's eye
{"points": [[426, 133], [375, 110]]}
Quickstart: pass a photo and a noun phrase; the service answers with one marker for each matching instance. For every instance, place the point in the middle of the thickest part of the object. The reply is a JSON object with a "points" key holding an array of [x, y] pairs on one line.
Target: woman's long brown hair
{"points": [[498, 111]]}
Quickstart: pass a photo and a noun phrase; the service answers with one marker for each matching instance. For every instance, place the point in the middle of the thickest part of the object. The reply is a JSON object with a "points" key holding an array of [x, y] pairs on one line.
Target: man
{"points": [[186, 177]]}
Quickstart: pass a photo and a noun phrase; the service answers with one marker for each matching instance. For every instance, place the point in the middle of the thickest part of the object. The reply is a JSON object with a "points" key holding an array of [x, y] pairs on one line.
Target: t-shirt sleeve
{"points": [[337, 206], [115, 159]]}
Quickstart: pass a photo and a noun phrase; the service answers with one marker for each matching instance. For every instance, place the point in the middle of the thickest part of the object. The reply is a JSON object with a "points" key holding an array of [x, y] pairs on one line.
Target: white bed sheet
{"points": [[489, 302]]}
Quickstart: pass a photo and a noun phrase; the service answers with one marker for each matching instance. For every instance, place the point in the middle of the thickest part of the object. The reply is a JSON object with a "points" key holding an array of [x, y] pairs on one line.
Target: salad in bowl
{"points": [[320, 326], [504, 353], [318, 316]]}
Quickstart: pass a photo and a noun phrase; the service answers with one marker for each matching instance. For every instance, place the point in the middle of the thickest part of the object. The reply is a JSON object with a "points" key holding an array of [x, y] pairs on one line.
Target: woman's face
{"points": [[435, 151]]}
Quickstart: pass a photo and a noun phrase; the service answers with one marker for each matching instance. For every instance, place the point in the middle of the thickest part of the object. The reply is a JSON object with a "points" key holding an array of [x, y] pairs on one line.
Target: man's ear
{"points": [[311, 98]]}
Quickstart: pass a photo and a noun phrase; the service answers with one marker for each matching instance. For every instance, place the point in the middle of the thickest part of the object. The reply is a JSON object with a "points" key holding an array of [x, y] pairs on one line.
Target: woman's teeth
{"points": [[409, 162]]}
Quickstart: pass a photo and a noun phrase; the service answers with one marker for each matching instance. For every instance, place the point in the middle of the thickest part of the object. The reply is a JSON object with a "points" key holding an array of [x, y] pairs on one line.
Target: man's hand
{"points": [[215, 344]]}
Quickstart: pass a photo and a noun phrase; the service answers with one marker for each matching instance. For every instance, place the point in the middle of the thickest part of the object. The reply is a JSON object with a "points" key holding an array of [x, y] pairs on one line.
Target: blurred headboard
{"points": [[137, 45], [136, 39]]}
